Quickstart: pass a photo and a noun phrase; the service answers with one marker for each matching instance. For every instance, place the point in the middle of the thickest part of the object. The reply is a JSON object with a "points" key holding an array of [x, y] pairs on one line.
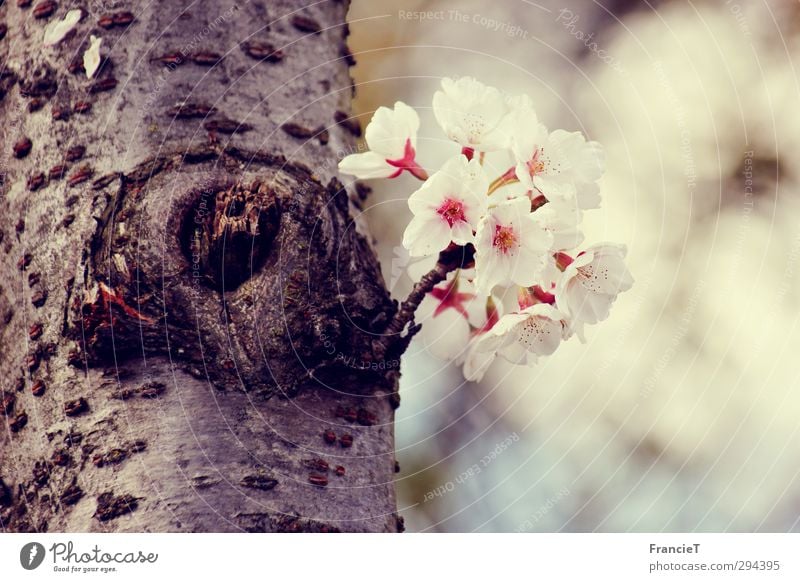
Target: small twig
{"points": [[406, 312], [452, 258]]}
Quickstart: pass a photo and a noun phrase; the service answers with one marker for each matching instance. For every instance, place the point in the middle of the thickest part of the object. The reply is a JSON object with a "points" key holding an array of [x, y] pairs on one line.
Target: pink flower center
{"points": [[536, 164], [505, 239], [452, 211]]}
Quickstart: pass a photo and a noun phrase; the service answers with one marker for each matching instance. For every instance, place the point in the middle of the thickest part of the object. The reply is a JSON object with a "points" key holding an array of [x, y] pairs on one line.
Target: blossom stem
{"points": [[408, 163], [527, 296], [538, 202], [543, 296], [509, 177], [492, 316], [405, 315], [417, 171], [563, 260]]}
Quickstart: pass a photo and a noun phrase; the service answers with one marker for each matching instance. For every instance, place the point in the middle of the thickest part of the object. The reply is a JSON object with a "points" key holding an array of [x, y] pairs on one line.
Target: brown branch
{"points": [[407, 309]]}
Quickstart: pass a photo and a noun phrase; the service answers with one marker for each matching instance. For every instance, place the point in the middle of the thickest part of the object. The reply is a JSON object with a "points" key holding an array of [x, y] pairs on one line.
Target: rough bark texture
{"points": [[188, 309]]}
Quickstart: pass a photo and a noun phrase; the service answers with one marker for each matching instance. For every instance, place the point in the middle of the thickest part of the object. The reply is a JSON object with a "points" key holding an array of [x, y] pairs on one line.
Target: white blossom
{"points": [[562, 219], [511, 246], [590, 284], [560, 165], [519, 337], [528, 134], [449, 315], [447, 207], [391, 136], [472, 114], [522, 224]]}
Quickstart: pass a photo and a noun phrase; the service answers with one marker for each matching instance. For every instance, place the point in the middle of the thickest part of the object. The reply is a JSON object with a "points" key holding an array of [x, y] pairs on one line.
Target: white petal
{"points": [[476, 364], [91, 58], [543, 335], [555, 188], [461, 233], [527, 134], [527, 267], [57, 30], [491, 266], [457, 180], [479, 356], [508, 322], [588, 196], [442, 111], [514, 352], [563, 221], [511, 212], [472, 113], [591, 162], [577, 159], [419, 267], [524, 176], [408, 119], [492, 270], [588, 307], [431, 194], [606, 273], [389, 130], [426, 237], [366, 165], [445, 335], [533, 236]]}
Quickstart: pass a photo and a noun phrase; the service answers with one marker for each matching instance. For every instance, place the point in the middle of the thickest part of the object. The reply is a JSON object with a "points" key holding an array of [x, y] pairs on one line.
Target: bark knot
{"points": [[228, 234]]}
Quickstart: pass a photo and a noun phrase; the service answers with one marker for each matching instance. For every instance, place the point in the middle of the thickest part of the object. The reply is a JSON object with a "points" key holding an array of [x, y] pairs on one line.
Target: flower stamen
{"points": [[505, 239], [452, 211], [536, 164]]}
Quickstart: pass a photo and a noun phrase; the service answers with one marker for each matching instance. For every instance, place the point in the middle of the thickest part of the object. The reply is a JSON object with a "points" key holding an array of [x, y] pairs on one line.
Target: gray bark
{"points": [[188, 307]]}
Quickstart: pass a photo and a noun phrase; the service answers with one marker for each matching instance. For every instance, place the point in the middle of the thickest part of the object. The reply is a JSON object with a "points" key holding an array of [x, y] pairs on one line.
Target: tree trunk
{"points": [[190, 312]]}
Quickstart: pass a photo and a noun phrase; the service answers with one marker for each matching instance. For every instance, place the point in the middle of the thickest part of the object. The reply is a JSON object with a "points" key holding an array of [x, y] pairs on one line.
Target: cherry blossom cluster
{"points": [[512, 198]]}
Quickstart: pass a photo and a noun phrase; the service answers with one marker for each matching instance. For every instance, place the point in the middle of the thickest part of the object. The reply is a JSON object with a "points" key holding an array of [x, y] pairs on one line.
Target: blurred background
{"points": [[680, 413]]}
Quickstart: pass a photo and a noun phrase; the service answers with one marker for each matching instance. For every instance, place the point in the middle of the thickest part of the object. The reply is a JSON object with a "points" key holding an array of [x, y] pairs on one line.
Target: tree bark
{"points": [[190, 313]]}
